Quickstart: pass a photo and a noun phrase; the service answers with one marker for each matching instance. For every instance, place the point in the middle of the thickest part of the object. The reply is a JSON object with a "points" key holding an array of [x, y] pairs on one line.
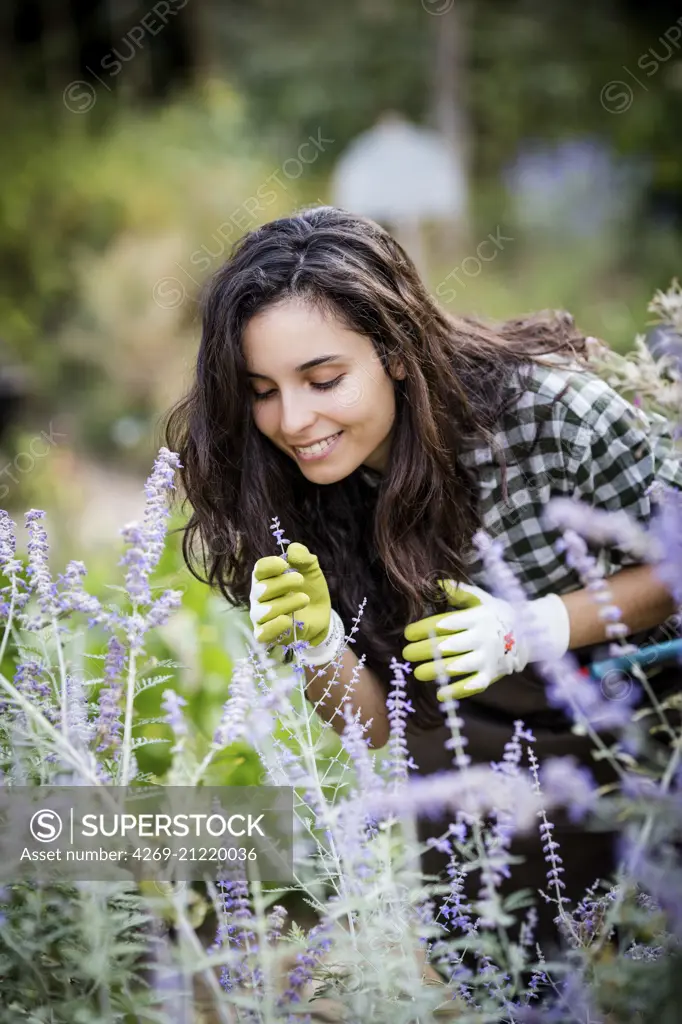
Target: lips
{"points": [[305, 448], [320, 451], [317, 441]]}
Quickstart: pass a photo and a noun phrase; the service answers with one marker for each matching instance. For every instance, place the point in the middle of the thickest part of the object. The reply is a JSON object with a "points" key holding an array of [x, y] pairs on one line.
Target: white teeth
{"points": [[319, 446]]}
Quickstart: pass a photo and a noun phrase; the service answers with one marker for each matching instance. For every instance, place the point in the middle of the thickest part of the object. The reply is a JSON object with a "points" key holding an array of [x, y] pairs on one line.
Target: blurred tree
{"points": [[50, 43], [518, 68]]}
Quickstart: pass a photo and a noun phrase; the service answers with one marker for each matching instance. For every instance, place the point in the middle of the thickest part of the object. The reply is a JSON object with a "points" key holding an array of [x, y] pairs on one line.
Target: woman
{"points": [[333, 392]]}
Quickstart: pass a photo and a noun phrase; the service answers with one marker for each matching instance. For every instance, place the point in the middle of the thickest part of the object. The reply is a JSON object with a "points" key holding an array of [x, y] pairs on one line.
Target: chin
{"points": [[325, 475]]}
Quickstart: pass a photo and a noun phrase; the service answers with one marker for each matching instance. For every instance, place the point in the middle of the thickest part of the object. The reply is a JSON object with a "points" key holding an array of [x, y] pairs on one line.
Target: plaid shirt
{"points": [[568, 434]]}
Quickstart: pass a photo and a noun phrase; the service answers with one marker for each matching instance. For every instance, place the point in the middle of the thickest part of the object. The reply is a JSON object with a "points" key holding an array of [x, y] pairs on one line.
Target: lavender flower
{"points": [[108, 722], [278, 532], [399, 761], [234, 929], [30, 680], [73, 597], [157, 512], [275, 923], [146, 541], [592, 577], [172, 704], [550, 849], [637, 951], [475, 792], [241, 710], [355, 828], [456, 741], [162, 608], [667, 529], [81, 729], [604, 528], [319, 942], [591, 911], [455, 908], [137, 563], [569, 784], [354, 742], [9, 564], [38, 569], [513, 751], [528, 926], [498, 839], [568, 688]]}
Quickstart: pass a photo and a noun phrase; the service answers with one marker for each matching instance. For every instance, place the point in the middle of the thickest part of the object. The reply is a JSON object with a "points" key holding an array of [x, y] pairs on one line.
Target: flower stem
{"points": [[62, 678], [128, 723]]}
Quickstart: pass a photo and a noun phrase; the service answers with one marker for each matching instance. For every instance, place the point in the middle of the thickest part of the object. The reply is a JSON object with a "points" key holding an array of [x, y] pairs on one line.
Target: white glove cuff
{"points": [[330, 646], [549, 633]]}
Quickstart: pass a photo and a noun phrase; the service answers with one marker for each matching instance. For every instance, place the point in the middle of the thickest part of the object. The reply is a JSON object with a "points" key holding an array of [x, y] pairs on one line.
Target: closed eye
{"points": [[261, 396]]}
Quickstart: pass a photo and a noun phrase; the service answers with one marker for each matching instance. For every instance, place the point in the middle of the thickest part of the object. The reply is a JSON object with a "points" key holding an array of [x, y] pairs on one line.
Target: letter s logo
{"points": [[46, 826]]}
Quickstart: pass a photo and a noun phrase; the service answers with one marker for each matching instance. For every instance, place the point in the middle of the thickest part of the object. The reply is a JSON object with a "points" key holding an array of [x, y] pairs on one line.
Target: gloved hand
{"points": [[280, 587], [484, 638]]}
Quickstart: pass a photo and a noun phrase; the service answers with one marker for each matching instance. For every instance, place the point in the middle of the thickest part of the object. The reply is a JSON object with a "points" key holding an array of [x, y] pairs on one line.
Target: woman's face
{"points": [[346, 401]]}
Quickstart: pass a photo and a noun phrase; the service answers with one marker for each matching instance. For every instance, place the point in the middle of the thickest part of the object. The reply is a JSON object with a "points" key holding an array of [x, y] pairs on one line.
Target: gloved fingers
{"points": [[280, 606], [268, 566], [422, 628], [268, 589], [300, 557], [465, 619], [464, 663], [461, 642], [462, 595], [451, 643], [450, 622], [462, 688], [268, 632]]}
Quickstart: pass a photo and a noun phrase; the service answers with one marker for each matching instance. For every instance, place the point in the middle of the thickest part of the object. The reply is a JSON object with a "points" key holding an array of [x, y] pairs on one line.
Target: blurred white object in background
{"points": [[401, 175]]}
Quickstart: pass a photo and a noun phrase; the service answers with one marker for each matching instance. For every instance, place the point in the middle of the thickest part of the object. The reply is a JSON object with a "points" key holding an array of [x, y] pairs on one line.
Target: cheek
{"points": [[262, 417], [363, 399]]}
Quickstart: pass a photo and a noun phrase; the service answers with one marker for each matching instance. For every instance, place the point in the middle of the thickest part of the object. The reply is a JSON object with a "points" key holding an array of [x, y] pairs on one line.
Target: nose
{"points": [[297, 413]]}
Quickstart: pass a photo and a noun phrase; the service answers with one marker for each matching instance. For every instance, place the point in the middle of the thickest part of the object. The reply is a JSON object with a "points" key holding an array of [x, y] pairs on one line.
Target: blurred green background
{"points": [[140, 141]]}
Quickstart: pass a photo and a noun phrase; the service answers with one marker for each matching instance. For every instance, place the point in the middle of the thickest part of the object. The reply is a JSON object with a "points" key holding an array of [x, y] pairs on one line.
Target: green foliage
{"points": [[74, 955]]}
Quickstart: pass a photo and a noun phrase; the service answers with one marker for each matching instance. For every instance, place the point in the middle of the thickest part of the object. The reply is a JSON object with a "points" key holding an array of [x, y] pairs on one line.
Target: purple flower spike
{"points": [[108, 721], [9, 564], [667, 528], [278, 532], [399, 761], [355, 743], [72, 595], [38, 569], [146, 540], [172, 704], [569, 784]]}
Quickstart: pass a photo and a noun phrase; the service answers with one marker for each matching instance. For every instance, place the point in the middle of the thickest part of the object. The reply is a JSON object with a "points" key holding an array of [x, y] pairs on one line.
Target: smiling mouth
{"points": [[318, 446]]}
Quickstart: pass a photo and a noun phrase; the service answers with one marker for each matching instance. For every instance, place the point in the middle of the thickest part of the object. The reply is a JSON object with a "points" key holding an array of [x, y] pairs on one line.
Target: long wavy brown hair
{"points": [[386, 543]]}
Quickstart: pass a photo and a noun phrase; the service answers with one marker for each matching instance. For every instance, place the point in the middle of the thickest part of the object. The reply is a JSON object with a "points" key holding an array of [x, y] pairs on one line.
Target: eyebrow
{"points": [[318, 361]]}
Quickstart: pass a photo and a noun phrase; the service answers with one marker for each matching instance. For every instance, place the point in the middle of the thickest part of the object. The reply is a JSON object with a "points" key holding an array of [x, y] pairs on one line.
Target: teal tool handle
{"points": [[655, 654]]}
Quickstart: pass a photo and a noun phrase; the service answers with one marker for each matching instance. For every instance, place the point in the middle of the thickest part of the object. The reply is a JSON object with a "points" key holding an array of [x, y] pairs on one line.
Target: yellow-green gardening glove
{"points": [[483, 637], [280, 587]]}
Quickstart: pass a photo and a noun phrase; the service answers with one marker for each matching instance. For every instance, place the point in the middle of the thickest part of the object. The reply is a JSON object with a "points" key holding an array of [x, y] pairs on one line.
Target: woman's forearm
{"points": [[643, 600], [368, 697]]}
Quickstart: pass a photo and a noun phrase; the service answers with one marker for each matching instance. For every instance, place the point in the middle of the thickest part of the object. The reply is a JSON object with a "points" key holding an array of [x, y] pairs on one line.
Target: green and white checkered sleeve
{"points": [[624, 453]]}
